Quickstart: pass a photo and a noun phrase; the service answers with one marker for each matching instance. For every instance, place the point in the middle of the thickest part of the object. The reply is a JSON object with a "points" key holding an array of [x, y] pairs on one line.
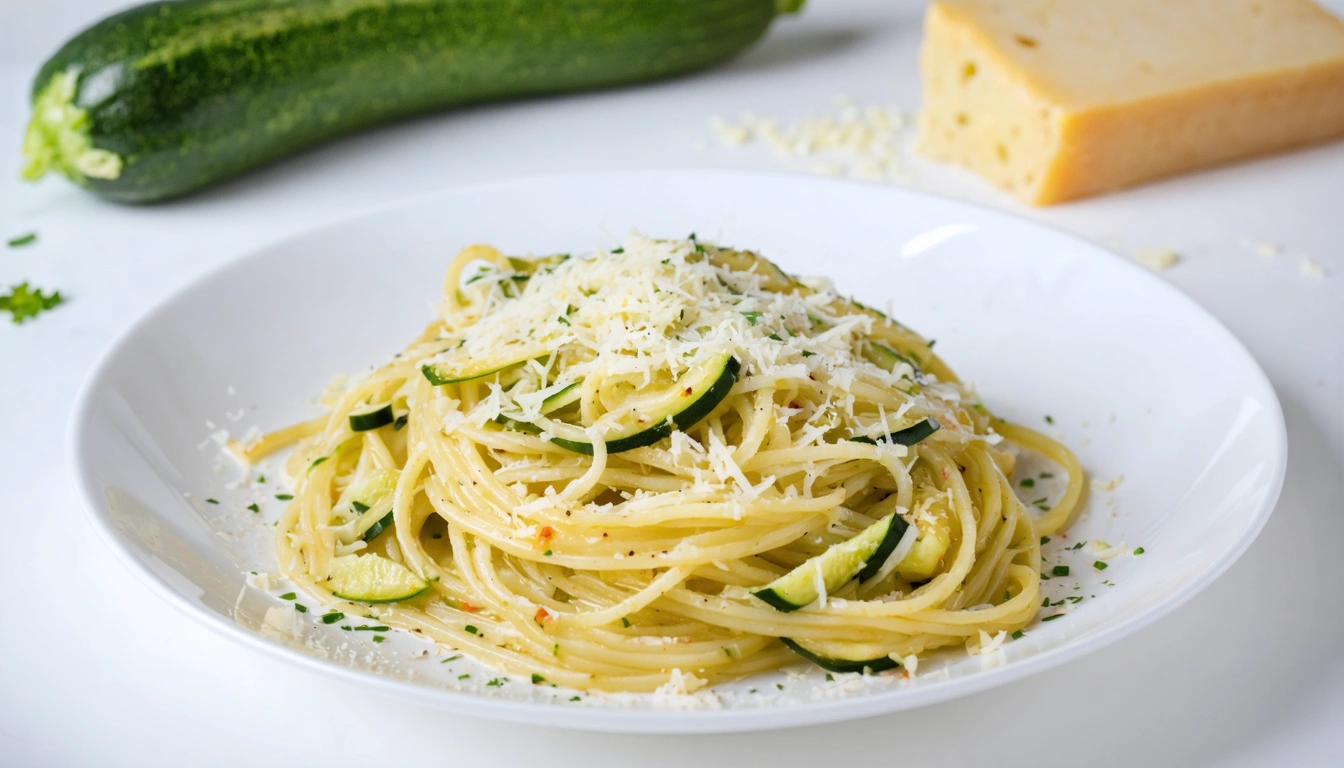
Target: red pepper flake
{"points": [[468, 607], [545, 534], [542, 616]]}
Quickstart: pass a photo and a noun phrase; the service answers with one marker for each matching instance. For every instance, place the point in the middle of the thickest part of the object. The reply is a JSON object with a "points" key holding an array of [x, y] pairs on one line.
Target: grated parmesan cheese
{"points": [[1310, 269], [1158, 259]]}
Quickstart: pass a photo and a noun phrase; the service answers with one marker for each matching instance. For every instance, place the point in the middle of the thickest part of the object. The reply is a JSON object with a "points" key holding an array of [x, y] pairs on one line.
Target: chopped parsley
{"points": [[1045, 540], [400, 422], [1100, 565], [625, 622], [1060, 570], [212, 501], [1027, 482], [1138, 551], [1018, 635], [752, 317], [318, 461], [1079, 545], [22, 240], [1049, 419], [378, 638], [288, 596], [618, 250], [495, 683], [463, 677], [1052, 617], [450, 658], [300, 607], [808, 354], [579, 698], [253, 506], [537, 679], [472, 629], [332, 617], [284, 496]]}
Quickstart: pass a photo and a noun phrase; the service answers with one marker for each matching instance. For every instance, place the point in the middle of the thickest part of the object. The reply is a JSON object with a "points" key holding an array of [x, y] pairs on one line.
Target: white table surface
{"points": [[95, 670]]}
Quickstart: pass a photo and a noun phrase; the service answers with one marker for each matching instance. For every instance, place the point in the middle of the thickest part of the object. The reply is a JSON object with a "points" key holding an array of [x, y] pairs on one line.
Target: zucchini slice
{"points": [[907, 437], [834, 664], [456, 365], [373, 579], [364, 510], [652, 418], [836, 566], [567, 396], [373, 419], [886, 358]]}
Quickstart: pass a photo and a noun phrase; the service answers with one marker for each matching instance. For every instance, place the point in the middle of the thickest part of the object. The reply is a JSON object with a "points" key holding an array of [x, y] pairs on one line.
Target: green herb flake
{"points": [[450, 658], [212, 501], [288, 596], [378, 638], [1052, 618], [22, 240], [537, 679], [1100, 565], [331, 617], [464, 677], [830, 678], [547, 553], [555, 650], [1060, 570], [1046, 475], [625, 622], [1138, 551], [1049, 419], [317, 461], [400, 422], [253, 506], [1027, 482], [576, 698], [618, 250], [300, 607], [1018, 635], [808, 354], [1045, 540], [495, 683], [1079, 545], [472, 629], [752, 317], [284, 496]]}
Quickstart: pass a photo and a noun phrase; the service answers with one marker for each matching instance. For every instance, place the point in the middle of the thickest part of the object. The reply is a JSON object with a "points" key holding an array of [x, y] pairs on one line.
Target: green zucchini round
{"points": [[169, 97]]}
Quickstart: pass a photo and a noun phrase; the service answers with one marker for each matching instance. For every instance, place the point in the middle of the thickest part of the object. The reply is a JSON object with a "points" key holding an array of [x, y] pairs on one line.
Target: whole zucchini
{"points": [[168, 97]]}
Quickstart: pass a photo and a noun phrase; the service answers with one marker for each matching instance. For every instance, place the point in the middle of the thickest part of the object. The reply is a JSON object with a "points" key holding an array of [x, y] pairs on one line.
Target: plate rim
{"points": [[616, 720]]}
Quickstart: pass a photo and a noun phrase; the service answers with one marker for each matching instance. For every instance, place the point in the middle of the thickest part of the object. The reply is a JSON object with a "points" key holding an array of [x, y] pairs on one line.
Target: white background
{"points": [[94, 670]]}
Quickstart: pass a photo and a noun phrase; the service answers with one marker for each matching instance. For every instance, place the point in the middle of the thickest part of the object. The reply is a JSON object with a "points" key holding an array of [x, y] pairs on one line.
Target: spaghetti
{"points": [[655, 463]]}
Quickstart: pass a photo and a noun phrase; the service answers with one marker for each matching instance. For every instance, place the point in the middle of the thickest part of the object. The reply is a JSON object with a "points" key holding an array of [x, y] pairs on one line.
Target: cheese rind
{"points": [[1060, 100]]}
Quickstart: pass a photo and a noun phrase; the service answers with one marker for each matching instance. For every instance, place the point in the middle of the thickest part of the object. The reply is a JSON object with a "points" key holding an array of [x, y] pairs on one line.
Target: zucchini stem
{"points": [[58, 137]]}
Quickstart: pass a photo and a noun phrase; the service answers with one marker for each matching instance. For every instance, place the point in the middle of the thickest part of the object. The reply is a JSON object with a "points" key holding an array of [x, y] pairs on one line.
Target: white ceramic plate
{"points": [[1138, 379]]}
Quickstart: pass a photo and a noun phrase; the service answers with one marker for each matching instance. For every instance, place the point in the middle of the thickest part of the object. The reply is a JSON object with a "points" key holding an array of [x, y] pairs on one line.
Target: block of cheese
{"points": [[1060, 99]]}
